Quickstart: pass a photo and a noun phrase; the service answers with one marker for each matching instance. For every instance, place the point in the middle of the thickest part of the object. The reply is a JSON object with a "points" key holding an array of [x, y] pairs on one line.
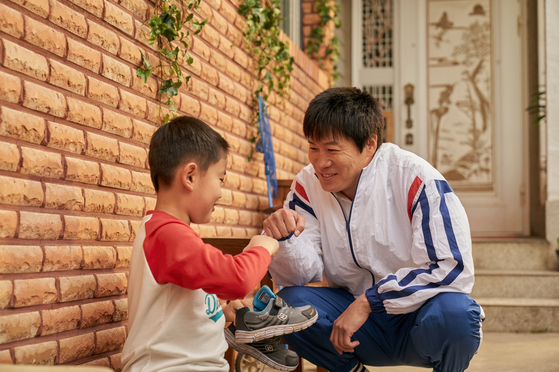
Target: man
{"points": [[390, 236]]}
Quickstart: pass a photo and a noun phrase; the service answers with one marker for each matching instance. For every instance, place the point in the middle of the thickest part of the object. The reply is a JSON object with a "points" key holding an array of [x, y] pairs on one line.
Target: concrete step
{"points": [[516, 284], [520, 314], [510, 254]]}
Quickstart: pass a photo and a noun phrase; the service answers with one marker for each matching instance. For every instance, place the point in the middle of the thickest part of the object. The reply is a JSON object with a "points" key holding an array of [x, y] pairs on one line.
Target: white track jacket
{"points": [[403, 239]]}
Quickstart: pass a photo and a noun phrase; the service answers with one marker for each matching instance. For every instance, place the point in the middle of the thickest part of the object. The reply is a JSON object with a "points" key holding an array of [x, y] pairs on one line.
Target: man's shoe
{"points": [[271, 352], [271, 317]]}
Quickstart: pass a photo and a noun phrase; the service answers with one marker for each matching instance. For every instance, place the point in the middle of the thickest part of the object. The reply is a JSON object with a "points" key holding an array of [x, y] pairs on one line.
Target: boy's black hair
{"points": [[346, 112], [180, 140]]}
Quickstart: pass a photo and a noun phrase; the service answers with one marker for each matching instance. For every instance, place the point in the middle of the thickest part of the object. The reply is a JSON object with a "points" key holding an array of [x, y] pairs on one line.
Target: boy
{"points": [[176, 321]]}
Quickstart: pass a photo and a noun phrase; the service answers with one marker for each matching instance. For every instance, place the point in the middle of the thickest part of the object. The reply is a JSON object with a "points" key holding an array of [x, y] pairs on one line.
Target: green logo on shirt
{"points": [[214, 308]]}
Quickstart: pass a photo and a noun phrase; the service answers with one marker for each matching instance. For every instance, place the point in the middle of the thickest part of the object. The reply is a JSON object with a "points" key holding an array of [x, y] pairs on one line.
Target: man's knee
{"points": [[295, 296]]}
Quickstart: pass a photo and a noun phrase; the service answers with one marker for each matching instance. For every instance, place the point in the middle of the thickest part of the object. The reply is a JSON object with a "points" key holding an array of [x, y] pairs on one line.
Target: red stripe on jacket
{"points": [[301, 191], [412, 192]]}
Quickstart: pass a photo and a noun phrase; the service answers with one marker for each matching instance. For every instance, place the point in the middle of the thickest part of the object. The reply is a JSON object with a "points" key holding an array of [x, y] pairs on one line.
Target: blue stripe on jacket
{"points": [[296, 201], [442, 187]]}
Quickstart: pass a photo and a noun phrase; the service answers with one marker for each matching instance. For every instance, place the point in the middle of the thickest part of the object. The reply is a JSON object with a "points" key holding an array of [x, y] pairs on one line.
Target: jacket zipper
{"points": [[347, 223]]}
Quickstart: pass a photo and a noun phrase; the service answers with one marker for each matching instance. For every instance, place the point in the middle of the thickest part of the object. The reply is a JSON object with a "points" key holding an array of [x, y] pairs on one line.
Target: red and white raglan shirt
{"points": [[403, 239], [176, 322]]}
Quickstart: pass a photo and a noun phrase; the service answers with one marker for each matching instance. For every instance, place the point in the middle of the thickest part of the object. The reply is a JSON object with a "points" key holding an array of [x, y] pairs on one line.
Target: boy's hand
{"points": [[230, 310], [284, 222], [270, 244]]}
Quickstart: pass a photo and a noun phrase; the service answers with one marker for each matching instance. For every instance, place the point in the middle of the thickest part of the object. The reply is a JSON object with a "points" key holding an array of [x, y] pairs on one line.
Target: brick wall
{"points": [[75, 124]]}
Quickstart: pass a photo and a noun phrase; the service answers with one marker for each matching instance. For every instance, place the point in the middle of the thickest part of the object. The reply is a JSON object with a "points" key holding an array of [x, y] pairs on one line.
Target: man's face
{"points": [[338, 163]]}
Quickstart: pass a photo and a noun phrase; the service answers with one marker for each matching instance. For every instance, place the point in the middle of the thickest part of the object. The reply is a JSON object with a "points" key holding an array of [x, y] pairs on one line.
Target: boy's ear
{"points": [[188, 174]]}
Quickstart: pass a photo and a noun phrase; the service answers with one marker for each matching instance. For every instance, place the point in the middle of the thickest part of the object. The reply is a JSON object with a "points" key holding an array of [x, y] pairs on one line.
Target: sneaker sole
{"points": [[245, 349], [247, 337]]}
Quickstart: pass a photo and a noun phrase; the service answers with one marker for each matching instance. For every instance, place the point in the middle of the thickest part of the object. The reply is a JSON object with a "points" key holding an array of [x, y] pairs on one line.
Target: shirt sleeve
{"points": [[177, 255]]}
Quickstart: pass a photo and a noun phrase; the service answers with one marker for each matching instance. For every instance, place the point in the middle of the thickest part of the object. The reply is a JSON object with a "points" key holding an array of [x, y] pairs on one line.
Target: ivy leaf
{"points": [[169, 87], [144, 74]]}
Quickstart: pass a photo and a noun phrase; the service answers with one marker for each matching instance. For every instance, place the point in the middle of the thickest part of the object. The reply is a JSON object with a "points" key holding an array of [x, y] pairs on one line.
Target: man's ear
{"points": [[188, 175], [371, 146]]}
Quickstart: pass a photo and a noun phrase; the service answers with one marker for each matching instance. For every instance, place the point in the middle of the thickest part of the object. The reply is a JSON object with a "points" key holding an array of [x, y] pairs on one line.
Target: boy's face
{"points": [[207, 192]]}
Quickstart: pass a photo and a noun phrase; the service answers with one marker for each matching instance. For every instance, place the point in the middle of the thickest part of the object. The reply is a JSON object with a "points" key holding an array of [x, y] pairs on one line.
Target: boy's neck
{"points": [[171, 204]]}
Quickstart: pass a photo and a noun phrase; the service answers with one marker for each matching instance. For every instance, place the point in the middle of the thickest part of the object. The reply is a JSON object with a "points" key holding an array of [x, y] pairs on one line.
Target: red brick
{"points": [[130, 205], [41, 163], [238, 231], [63, 197], [245, 218], [116, 123], [207, 231], [103, 362], [39, 226], [8, 224], [257, 219], [233, 72], [216, 4], [19, 326], [20, 125], [93, 6], [223, 230], [226, 84], [134, 228], [75, 348], [190, 105], [239, 163], [252, 231], [210, 35], [246, 114], [232, 106], [235, 34], [97, 313], [59, 258], [216, 98], [66, 138], [81, 228], [247, 80], [132, 155], [259, 187], [224, 121], [199, 89], [60, 320], [11, 21], [99, 201], [252, 202], [20, 192], [226, 47], [219, 22], [253, 168], [228, 11], [6, 290], [114, 230], [103, 37], [40, 7], [121, 310], [142, 131], [200, 48], [129, 51], [82, 171], [232, 181], [195, 67], [263, 202], [110, 339], [20, 259], [311, 19], [73, 288], [45, 37], [123, 257], [239, 199], [142, 182], [29, 292], [84, 56], [241, 24], [205, 11], [102, 147], [231, 217], [98, 257], [148, 88], [43, 99], [246, 184], [245, 148], [217, 60], [208, 114], [10, 88], [25, 61], [68, 18], [119, 18], [233, 142], [226, 197], [103, 92], [142, 34], [116, 177], [157, 112], [116, 71], [137, 7], [5, 357], [111, 284], [132, 104], [41, 354], [239, 128]]}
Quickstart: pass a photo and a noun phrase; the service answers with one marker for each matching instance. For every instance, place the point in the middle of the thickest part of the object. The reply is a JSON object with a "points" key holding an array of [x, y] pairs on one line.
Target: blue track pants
{"points": [[443, 334]]}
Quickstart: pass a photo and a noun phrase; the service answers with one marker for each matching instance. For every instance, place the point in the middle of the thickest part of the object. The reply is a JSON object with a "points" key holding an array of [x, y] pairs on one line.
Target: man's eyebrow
{"points": [[333, 142]]}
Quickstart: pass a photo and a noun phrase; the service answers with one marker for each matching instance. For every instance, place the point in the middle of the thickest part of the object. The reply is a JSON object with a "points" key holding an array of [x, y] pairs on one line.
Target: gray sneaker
{"points": [[271, 317], [271, 352]]}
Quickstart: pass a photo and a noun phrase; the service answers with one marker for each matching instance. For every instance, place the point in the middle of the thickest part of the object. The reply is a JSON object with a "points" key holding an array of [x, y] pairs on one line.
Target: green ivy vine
{"points": [[274, 64], [328, 10], [166, 26]]}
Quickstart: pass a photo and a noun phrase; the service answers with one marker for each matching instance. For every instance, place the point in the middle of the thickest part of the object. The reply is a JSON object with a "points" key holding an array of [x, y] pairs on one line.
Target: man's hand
{"points": [[284, 222], [348, 323]]}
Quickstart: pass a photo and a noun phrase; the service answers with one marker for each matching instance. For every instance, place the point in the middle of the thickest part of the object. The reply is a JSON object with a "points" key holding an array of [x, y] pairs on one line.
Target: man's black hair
{"points": [[346, 112], [181, 140]]}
